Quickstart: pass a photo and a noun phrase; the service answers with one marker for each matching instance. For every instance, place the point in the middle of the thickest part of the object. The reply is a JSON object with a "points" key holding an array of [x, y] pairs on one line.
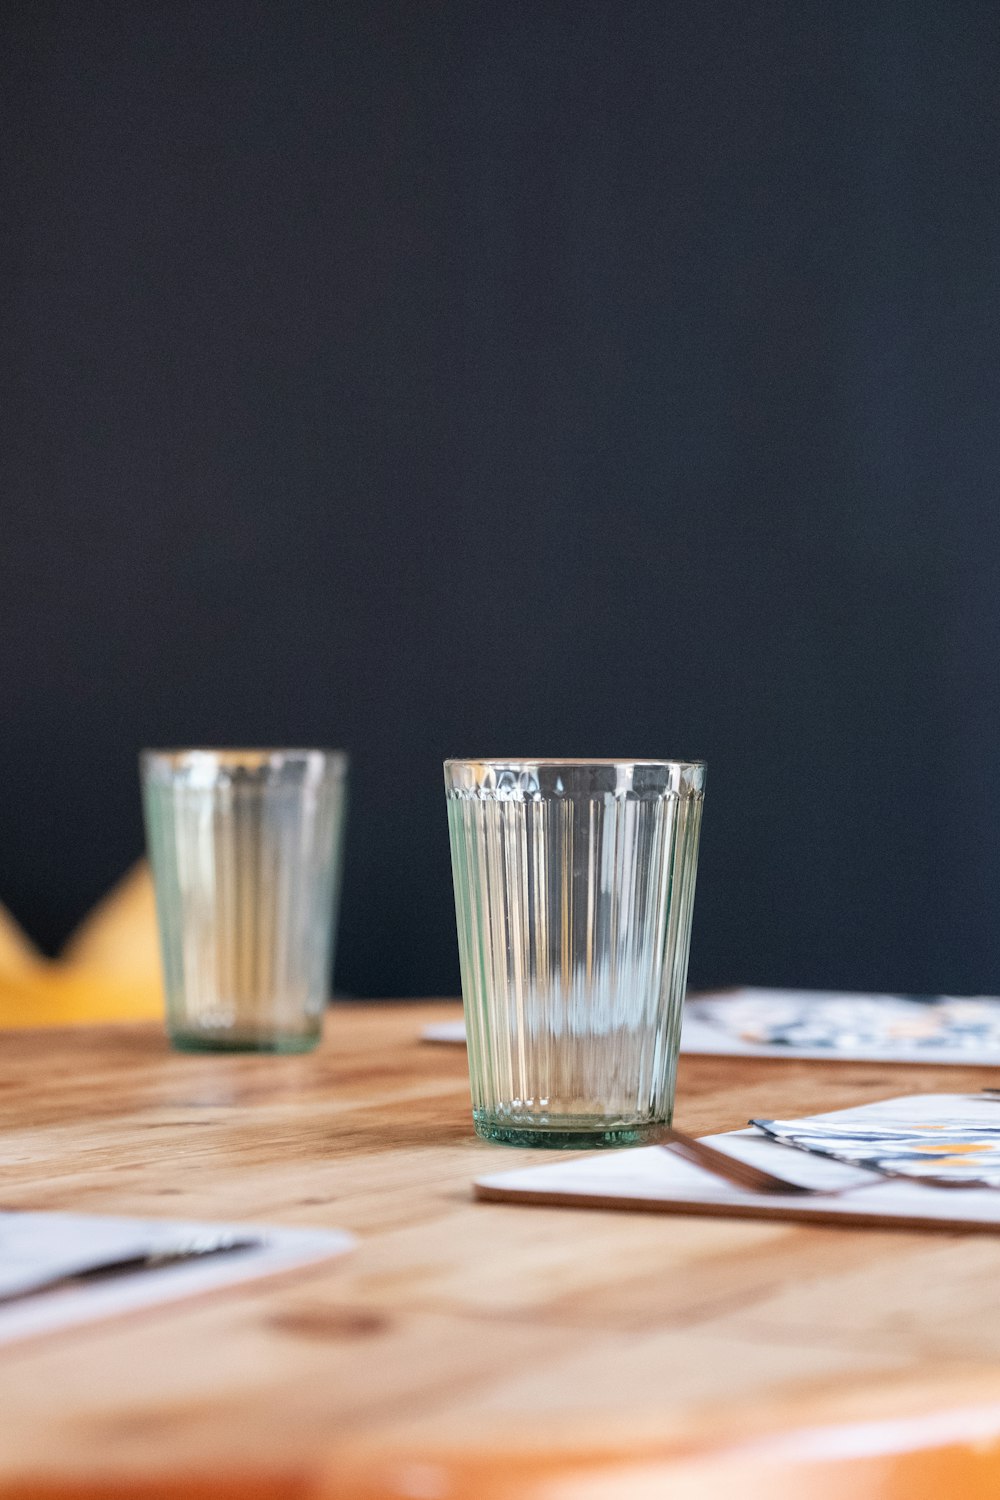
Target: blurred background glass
{"points": [[245, 850]]}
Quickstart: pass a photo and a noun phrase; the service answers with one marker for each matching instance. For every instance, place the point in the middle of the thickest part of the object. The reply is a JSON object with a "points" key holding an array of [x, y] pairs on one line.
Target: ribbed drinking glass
{"points": [[245, 850], [574, 887]]}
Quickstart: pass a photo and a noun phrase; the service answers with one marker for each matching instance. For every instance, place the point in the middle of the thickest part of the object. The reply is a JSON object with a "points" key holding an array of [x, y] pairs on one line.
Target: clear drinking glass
{"points": [[245, 849], [574, 886]]}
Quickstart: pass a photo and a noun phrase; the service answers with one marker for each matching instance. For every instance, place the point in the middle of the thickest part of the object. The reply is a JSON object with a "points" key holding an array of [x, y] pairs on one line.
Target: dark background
{"points": [[515, 378]]}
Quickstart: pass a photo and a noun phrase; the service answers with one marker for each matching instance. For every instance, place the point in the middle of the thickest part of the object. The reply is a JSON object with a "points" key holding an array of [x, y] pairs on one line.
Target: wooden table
{"points": [[580, 1343]]}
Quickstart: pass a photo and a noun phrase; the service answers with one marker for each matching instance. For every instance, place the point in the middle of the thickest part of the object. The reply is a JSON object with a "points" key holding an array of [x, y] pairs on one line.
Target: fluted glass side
{"points": [[574, 888], [245, 850]]}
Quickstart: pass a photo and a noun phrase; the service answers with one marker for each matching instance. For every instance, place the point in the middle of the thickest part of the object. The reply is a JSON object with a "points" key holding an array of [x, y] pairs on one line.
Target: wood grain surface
{"points": [[463, 1348]]}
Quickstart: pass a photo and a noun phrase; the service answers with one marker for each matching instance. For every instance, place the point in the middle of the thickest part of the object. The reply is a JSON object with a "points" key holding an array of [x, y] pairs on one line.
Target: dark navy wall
{"points": [[524, 378]]}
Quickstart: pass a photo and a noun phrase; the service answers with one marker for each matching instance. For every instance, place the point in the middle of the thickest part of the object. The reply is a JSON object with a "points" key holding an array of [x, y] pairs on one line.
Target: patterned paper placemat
{"points": [[830, 1024]]}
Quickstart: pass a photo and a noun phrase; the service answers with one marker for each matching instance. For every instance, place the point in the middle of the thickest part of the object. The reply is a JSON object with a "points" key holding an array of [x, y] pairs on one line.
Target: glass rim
{"points": [[251, 757], [525, 762], [177, 752]]}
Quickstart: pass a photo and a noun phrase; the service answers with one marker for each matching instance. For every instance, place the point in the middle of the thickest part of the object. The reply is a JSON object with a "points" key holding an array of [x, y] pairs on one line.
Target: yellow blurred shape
{"points": [[18, 955], [109, 969], [119, 936]]}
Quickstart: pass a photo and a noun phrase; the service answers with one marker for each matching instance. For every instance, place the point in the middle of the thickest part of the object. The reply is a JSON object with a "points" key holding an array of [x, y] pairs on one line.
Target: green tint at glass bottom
{"points": [[577, 1134], [270, 1042]]}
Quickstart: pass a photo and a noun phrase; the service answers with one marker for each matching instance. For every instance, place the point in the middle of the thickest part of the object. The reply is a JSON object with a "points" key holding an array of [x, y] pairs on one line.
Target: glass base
{"points": [[187, 1041], [585, 1134]]}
